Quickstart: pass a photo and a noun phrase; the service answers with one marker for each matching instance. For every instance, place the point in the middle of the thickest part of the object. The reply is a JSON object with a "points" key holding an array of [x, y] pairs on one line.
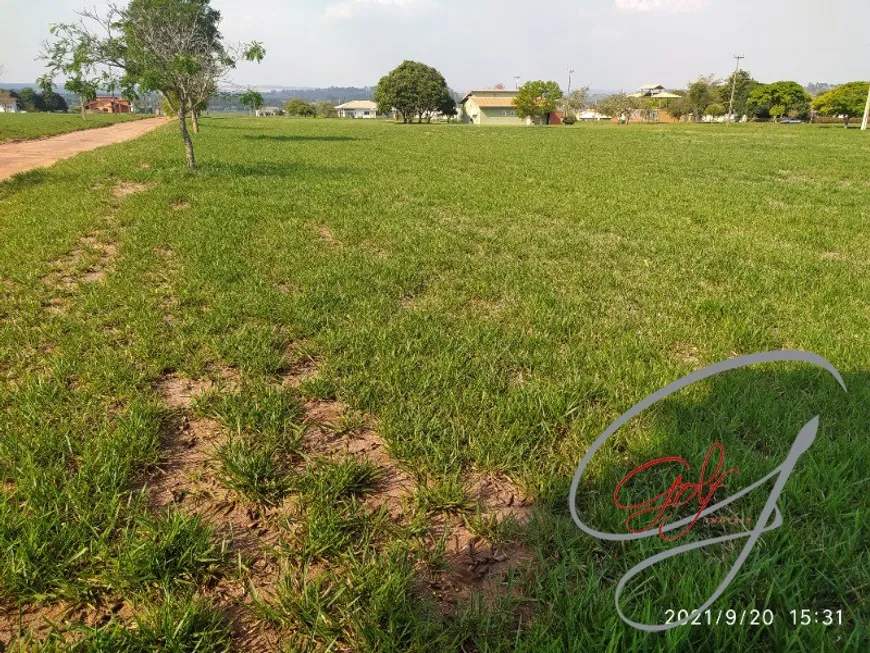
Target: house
{"points": [[492, 106], [109, 104], [358, 109], [591, 114], [654, 113], [8, 103]]}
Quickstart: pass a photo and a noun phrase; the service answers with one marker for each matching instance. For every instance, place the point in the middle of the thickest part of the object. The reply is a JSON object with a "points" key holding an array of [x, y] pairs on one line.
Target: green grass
{"points": [[494, 298], [22, 126]]}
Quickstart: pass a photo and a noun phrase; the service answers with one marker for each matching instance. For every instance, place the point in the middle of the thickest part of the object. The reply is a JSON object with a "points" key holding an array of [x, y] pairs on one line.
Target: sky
{"points": [[610, 44]]}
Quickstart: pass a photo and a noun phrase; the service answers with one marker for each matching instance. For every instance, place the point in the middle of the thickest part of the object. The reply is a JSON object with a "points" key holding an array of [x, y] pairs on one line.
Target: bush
{"points": [[568, 119]]}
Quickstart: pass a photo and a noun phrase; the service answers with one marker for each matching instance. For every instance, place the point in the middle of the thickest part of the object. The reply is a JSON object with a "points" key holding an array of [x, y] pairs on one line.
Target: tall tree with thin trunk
{"points": [[170, 46]]}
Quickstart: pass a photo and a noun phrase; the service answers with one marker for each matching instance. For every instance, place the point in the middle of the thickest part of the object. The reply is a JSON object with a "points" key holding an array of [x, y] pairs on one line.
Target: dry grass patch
{"points": [[125, 188], [325, 235]]}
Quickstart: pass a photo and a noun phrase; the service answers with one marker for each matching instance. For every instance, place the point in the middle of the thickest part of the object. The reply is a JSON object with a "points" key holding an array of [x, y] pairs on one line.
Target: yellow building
{"points": [[492, 106]]}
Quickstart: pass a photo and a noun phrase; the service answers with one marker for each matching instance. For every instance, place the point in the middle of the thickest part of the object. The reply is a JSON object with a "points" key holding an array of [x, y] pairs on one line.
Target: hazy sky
{"points": [[611, 44]]}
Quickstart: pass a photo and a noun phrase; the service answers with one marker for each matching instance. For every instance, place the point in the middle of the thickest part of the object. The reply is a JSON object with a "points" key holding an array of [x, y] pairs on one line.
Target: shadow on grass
{"points": [[293, 138], [24, 180], [755, 413], [271, 169]]}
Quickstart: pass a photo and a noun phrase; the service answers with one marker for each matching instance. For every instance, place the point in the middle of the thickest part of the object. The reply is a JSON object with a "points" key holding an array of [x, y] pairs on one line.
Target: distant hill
{"points": [[817, 88]]}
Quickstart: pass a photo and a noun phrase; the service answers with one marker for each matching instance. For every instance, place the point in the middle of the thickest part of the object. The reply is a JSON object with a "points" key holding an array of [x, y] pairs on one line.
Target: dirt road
{"points": [[27, 155]]}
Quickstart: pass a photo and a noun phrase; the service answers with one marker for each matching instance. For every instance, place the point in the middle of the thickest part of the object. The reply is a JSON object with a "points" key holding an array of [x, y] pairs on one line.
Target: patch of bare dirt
{"points": [[686, 354], [69, 271], [326, 236], [304, 369], [832, 256], [180, 205], [36, 622], [471, 563], [125, 188], [187, 480], [325, 436]]}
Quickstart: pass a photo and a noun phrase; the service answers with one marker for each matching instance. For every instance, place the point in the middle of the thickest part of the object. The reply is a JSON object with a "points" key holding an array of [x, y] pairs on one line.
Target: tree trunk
{"points": [[195, 115], [82, 102], [185, 136], [846, 122]]}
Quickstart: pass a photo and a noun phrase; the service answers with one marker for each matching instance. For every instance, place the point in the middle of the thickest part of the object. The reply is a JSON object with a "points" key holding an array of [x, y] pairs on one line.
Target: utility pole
{"points": [[866, 113], [516, 82], [737, 57], [568, 94]]}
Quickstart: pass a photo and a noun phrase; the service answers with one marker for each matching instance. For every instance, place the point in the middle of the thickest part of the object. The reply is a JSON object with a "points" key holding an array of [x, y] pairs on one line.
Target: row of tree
{"points": [[708, 96], [299, 107], [33, 101]]}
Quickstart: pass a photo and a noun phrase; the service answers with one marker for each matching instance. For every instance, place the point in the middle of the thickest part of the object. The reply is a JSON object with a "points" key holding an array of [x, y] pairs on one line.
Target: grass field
{"points": [[280, 398], [21, 126]]}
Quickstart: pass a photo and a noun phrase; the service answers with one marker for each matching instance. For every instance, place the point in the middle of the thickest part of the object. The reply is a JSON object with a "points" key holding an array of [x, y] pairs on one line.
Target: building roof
{"points": [[488, 92], [651, 87], [359, 104], [492, 102], [662, 95], [7, 98]]}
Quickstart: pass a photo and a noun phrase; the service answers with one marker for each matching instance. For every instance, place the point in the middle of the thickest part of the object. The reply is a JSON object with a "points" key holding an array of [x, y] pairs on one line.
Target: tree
{"points": [[847, 100], [715, 110], [325, 110], [52, 101], [703, 92], [618, 105], [86, 90], [447, 106], [252, 99], [742, 88], [537, 99], [677, 107], [30, 100], [299, 107], [170, 46], [413, 89], [778, 99], [578, 99]]}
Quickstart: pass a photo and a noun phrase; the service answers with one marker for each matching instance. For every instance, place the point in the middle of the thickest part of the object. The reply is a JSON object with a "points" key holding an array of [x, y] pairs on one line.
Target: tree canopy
{"points": [[847, 100], [413, 89], [577, 99], [170, 46], [617, 105], [536, 99], [299, 107], [703, 92], [326, 110], [779, 99], [29, 100], [744, 85], [252, 99]]}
